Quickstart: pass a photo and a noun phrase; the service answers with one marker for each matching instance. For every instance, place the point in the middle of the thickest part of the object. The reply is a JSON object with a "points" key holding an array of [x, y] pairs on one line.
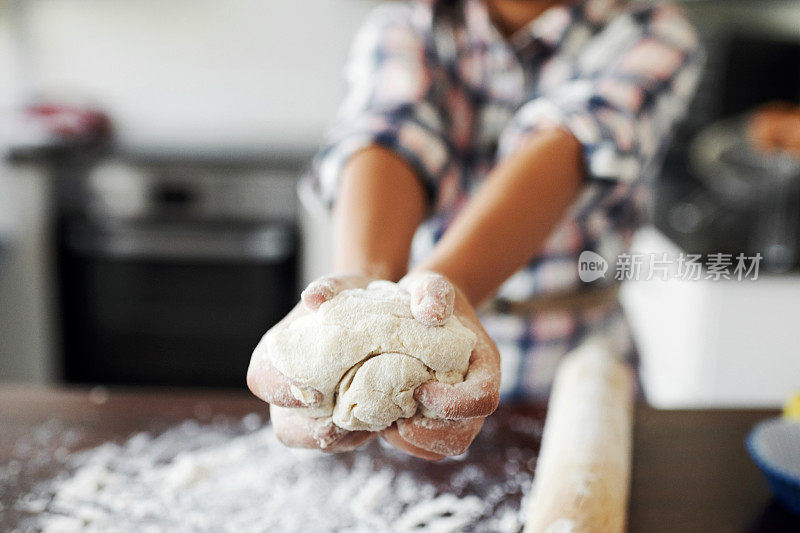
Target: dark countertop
{"points": [[691, 471]]}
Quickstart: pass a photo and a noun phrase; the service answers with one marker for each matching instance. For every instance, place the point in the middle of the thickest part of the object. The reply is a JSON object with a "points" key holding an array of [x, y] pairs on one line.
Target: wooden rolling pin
{"points": [[583, 472]]}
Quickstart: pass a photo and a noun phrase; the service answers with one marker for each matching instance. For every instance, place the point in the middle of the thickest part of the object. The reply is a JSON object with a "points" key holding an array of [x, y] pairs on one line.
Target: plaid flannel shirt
{"points": [[435, 82]]}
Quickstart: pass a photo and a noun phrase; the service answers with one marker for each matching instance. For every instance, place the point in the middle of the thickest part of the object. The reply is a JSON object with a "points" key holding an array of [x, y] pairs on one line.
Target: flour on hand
{"points": [[366, 353]]}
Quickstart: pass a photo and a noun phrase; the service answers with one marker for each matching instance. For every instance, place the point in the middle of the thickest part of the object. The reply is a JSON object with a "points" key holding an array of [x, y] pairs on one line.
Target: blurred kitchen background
{"points": [[151, 227]]}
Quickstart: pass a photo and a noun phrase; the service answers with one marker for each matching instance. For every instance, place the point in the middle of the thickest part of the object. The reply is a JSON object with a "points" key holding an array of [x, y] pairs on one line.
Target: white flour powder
{"points": [[235, 476]]}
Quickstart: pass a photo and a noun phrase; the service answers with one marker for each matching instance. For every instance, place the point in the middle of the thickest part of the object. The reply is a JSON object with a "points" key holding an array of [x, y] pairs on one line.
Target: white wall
{"points": [[234, 73]]}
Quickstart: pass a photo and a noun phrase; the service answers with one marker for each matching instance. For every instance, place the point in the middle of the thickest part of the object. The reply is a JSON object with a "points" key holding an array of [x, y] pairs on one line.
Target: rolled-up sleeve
{"points": [[393, 100], [630, 85]]}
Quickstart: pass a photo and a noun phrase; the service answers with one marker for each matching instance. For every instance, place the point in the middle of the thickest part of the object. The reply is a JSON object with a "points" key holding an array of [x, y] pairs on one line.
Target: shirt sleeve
{"points": [[393, 100], [630, 85]]}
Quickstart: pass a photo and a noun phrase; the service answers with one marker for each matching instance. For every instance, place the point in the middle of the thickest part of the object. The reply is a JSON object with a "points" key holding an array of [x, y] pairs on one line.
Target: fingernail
{"points": [[318, 292], [308, 396]]}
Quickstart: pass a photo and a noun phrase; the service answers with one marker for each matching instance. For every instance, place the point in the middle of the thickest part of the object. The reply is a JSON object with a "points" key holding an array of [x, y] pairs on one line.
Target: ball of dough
{"points": [[365, 352]]}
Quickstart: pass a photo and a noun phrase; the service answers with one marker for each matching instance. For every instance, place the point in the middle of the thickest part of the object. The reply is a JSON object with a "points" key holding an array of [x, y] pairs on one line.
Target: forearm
{"points": [[380, 204], [508, 220]]}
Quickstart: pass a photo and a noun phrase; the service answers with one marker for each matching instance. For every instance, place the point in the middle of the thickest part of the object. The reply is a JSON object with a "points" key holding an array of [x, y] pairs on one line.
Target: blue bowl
{"points": [[774, 445]]}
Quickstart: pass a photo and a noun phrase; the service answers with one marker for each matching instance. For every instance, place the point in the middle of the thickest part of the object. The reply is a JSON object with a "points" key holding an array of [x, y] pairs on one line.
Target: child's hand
{"points": [[267, 383], [462, 407], [776, 127]]}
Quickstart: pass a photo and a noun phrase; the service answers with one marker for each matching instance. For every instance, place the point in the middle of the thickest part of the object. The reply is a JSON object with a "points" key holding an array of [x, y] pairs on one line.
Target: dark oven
{"points": [[170, 270]]}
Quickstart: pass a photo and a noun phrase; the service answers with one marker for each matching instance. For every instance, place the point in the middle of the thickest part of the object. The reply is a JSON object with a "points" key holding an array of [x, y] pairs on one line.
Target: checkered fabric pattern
{"points": [[435, 82], [531, 347]]}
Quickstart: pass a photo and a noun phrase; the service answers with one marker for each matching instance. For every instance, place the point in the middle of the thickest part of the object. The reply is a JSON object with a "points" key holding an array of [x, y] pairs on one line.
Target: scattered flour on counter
{"points": [[236, 476]]}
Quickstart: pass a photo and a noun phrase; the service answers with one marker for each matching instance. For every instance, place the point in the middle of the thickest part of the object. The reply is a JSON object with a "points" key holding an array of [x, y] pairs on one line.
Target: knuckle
{"points": [[487, 402], [492, 401]]}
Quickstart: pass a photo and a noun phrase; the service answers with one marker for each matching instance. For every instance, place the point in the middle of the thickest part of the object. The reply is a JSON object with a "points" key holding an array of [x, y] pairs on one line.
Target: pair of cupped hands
{"points": [[461, 408]]}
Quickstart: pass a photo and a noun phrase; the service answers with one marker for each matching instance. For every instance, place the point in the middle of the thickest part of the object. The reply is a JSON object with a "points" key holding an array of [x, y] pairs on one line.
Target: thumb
{"points": [[432, 297]]}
